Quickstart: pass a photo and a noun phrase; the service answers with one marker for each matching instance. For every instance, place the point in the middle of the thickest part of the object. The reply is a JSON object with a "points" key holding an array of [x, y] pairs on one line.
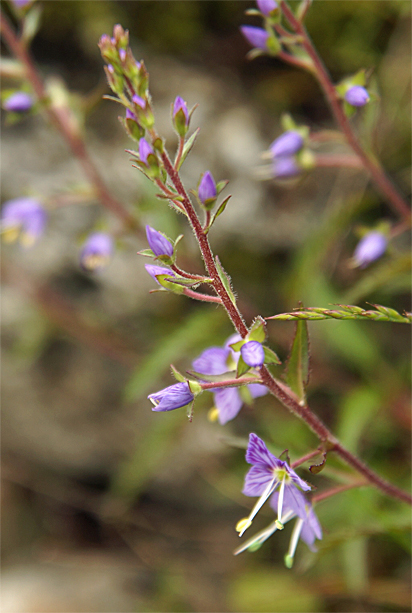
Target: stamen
{"points": [[280, 502], [10, 234], [268, 491], [213, 414], [293, 543], [256, 541]]}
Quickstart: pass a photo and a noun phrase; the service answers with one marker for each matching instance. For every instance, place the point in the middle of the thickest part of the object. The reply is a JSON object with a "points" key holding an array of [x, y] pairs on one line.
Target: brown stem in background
{"points": [[383, 183], [335, 160], [60, 117]]}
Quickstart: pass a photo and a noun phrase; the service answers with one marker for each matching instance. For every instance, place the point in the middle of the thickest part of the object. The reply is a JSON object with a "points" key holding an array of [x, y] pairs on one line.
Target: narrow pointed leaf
{"points": [[187, 147], [177, 375], [257, 331], [298, 363], [242, 367], [270, 356], [224, 277]]}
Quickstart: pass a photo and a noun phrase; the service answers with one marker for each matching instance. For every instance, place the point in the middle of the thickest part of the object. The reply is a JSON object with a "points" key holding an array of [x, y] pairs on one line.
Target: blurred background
{"points": [[109, 507]]}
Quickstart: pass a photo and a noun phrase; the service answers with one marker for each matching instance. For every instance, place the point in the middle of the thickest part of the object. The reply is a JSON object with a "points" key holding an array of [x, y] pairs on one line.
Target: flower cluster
{"points": [[272, 478]]}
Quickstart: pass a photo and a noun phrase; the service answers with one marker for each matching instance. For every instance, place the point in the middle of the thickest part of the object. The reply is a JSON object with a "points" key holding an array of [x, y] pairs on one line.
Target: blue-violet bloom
{"points": [[357, 96], [97, 251], [257, 37], [139, 101], [172, 397], [144, 150], [217, 361], [266, 474], [287, 144], [180, 104], [266, 7], [158, 243], [207, 188], [253, 354], [23, 218], [370, 248], [130, 115], [18, 102], [285, 167], [154, 271]]}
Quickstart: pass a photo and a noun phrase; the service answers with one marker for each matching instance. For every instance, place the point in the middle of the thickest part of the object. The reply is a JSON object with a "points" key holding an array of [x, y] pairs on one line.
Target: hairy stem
{"points": [[383, 183], [61, 118]]}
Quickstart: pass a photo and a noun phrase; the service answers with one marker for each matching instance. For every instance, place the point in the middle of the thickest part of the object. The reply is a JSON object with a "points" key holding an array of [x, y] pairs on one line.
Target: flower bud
{"points": [[97, 251], [357, 96], [285, 167], [158, 243], [207, 191], [23, 218], [155, 271], [180, 116], [252, 353], [172, 397], [287, 144], [139, 101], [266, 7], [370, 248], [257, 37], [145, 150], [18, 102]]}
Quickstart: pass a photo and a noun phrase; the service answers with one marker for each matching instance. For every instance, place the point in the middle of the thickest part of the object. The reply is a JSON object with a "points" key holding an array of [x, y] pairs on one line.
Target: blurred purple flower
{"points": [[287, 144], [207, 188], [158, 270], [266, 7], [23, 218], [122, 55], [257, 37], [139, 101], [172, 397], [144, 150], [285, 167], [97, 251], [217, 361], [370, 248], [357, 96], [158, 243], [19, 102], [252, 353], [130, 115]]}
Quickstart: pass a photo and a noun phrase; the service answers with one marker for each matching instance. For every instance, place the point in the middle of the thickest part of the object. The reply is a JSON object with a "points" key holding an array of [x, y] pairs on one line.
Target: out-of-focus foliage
{"points": [[94, 479]]}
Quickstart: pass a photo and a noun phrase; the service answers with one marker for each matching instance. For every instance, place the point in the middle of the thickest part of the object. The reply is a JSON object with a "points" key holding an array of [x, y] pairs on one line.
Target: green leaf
{"points": [[187, 147], [257, 331], [177, 375], [237, 346], [148, 253], [224, 277], [219, 211], [297, 374], [270, 356]]}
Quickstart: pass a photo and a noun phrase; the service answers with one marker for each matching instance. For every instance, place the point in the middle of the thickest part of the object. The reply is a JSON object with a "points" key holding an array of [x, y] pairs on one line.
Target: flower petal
{"points": [[293, 500], [257, 390], [172, 397], [257, 480], [258, 453], [212, 361], [228, 402]]}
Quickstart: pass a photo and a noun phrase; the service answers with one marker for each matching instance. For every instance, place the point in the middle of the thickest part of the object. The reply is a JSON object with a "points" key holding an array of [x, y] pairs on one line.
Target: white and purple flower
{"points": [[217, 361]]}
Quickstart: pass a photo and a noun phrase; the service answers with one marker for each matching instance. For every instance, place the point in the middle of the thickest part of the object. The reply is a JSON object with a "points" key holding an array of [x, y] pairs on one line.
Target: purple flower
{"points": [[158, 270], [287, 144], [207, 188], [139, 101], [357, 96], [217, 361], [257, 37], [23, 218], [370, 248], [130, 115], [19, 102], [285, 167], [144, 150], [21, 3], [266, 474], [158, 243], [180, 105], [266, 7], [97, 251], [122, 55], [252, 353], [172, 397]]}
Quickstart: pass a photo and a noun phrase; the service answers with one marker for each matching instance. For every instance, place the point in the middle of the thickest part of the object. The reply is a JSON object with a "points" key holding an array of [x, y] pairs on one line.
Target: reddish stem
{"points": [[203, 297], [62, 120], [305, 458], [188, 275], [229, 383], [384, 184]]}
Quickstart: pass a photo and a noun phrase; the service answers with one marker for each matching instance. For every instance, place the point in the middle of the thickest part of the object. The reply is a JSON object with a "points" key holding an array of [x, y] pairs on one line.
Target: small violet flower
{"points": [[23, 218], [154, 271], [357, 96], [370, 248], [253, 354], [266, 474], [287, 144], [130, 115], [217, 361], [158, 243], [285, 167], [172, 397], [257, 37], [139, 101], [180, 105], [207, 188], [266, 7], [97, 251], [122, 55], [18, 102], [144, 150]]}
